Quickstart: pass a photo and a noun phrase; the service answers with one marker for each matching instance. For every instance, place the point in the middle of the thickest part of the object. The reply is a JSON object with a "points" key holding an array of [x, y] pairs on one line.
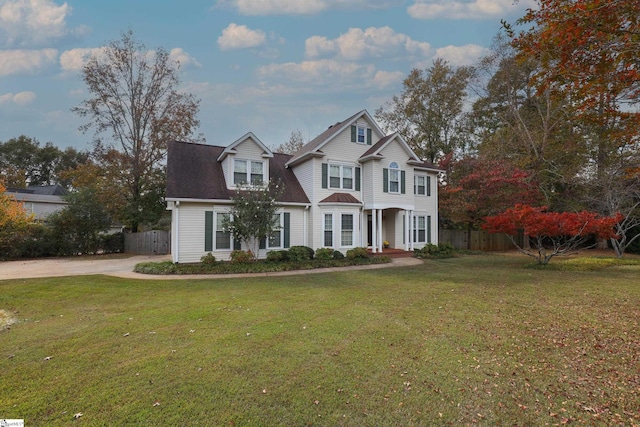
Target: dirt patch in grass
{"points": [[6, 319]]}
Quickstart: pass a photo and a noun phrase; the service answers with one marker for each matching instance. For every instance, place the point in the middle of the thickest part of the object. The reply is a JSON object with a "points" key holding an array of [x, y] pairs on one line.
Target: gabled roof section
{"points": [[193, 172], [231, 148], [340, 198], [375, 151], [313, 147]]}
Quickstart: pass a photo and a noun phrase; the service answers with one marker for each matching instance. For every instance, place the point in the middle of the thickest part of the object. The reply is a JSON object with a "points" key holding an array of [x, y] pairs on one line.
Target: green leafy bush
{"points": [[442, 250], [338, 255], [239, 256], [356, 253], [300, 253], [208, 259], [324, 253], [274, 256]]}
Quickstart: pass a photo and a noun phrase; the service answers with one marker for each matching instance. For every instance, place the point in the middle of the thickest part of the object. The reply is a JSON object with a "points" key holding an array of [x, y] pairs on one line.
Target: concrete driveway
{"points": [[123, 267], [26, 269]]}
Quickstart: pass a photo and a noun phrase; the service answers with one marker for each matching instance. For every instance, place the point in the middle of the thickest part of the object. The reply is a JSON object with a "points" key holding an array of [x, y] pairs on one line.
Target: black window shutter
{"points": [[369, 138], [385, 180], [208, 231], [263, 243], [237, 245], [429, 229], [428, 186], [287, 229], [353, 133], [402, 184], [357, 179], [325, 175]]}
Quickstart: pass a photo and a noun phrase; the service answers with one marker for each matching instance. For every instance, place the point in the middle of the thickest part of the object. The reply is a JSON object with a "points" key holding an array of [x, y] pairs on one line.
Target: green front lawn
{"points": [[474, 340]]}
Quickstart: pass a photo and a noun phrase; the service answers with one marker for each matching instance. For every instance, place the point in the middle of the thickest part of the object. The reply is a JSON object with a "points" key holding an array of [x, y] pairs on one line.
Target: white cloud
{"points": [[72, 61], [302, 7], [357, 44], [474, 9], [384, 79], [178, 54], [240, 37], [20, 98], [34, 23], [462, 55], [319, 72], [25, 61]]}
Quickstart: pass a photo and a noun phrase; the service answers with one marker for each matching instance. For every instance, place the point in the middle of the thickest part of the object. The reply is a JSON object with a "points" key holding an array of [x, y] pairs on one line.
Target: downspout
{"points": [[176, 239]]}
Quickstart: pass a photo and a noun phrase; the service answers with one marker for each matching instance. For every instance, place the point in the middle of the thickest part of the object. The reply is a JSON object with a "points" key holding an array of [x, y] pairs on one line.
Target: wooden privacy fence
{"points": [[480, 240], [155, 242]]}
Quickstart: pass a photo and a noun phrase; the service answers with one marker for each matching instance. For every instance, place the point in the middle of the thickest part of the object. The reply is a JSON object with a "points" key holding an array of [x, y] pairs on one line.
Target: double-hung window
{"points": [[275, 239], [248, 172], [328, 230], [346, 235], [341, 177], [361, 135], [394, 178], [420, 185], [419, 229], [223, 237]]}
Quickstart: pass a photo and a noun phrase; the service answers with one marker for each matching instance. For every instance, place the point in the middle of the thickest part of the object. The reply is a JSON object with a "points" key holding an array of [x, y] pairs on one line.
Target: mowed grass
{"points": [[475, 340]]}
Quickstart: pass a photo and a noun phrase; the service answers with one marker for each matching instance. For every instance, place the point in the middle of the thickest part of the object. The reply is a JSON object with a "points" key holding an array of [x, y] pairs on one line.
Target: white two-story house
{"points": [[351, 186]]}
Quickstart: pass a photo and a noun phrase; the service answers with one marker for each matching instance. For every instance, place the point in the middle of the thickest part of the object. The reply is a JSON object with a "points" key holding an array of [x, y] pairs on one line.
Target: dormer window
{"points": [[248, 172]]}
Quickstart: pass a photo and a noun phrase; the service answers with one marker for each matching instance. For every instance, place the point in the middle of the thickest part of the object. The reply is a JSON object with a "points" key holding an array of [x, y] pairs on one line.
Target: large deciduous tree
{"points": [[588, 54], [429, 113], [23, 162], [528, 129], [135, 98]]}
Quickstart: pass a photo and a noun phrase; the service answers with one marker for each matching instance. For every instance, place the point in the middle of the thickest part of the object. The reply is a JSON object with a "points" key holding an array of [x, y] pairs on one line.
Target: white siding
{"points": [[188, 223]]}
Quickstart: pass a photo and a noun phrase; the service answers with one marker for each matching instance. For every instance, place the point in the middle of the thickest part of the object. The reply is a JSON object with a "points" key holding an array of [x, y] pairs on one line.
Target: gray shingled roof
{"points": [[318, 140], [340, 198], [193, 172]]}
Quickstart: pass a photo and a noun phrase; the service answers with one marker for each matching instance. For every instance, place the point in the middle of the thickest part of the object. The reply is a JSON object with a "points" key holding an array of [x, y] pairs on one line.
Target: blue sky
{"points": [[266, 66]]}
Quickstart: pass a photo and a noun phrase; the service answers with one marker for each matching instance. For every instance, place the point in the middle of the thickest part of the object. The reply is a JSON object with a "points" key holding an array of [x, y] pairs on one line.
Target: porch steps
{"points": [[392, 253]]}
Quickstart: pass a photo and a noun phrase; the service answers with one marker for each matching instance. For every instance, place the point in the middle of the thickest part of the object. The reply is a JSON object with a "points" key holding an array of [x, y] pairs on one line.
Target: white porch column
{"points": [[374, 228], [407, 231], [380, 230], [412, 230]]}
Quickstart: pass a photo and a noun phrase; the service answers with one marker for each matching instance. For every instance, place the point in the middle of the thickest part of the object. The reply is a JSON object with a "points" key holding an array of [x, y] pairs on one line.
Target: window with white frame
{"points": [[394, 178], [361, 136], [223, 237], [275, 239], [341, 177], [328, 230], [420, 185], [346, 230], [420, 229], [248, 171]]}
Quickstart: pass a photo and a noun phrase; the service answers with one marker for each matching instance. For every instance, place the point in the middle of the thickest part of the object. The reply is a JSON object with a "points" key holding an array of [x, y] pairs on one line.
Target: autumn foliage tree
{"points": [[14, 223], [550, 233], [475, 188]]}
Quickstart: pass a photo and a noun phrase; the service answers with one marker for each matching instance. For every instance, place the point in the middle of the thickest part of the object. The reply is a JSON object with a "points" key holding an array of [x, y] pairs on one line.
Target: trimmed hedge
{"points": [[261, 266]]}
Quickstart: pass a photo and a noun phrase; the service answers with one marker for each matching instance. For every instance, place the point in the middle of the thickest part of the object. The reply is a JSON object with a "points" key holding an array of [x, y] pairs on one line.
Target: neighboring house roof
{"points": [[45, 190], [38, 198], [194, 172], [340, 198], [312, 148]]}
